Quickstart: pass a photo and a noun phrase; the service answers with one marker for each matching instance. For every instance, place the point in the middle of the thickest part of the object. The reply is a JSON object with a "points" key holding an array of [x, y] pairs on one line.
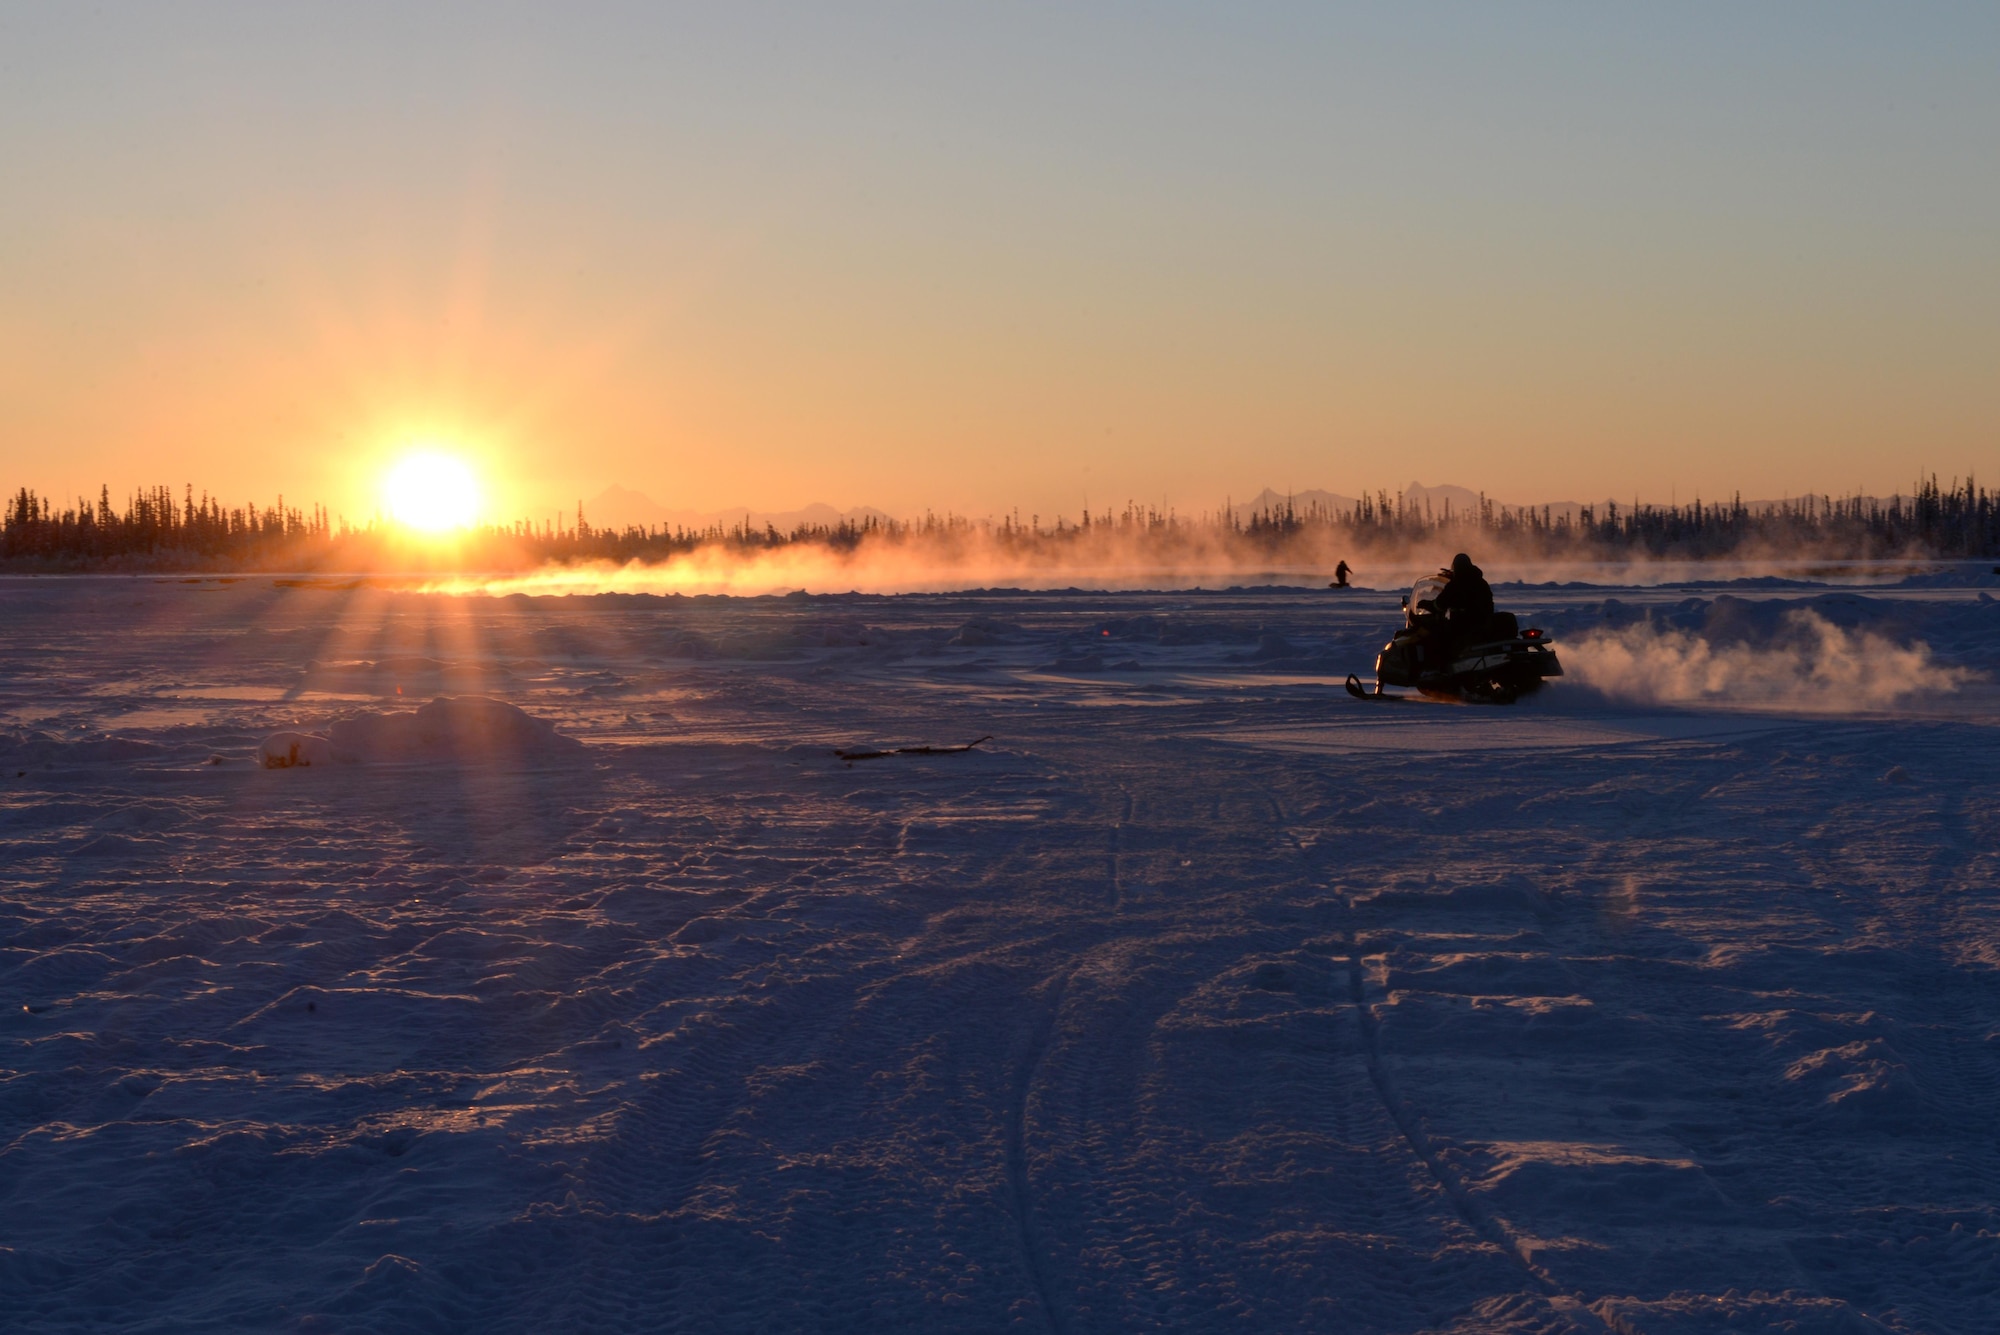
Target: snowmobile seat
{"points": [[1503, 626]]}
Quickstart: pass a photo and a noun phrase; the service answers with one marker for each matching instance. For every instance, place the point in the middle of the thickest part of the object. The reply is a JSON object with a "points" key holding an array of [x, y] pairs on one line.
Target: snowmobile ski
{"points": [[1360, 692]]}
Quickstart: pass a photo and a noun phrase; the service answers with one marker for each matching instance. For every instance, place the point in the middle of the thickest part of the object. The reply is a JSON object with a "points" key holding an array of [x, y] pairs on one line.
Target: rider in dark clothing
{"points": [[1466, 602]]}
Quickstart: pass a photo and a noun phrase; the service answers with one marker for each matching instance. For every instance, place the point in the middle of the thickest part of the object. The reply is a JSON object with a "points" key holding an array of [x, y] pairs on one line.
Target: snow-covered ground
{"points": [[1201, 996]]}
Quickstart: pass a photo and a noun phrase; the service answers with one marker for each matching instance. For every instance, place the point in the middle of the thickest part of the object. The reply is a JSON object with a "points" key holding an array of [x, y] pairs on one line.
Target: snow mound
{"points": [[448, 729], [284, 750], [1865, 1081], [1568, 1176]]}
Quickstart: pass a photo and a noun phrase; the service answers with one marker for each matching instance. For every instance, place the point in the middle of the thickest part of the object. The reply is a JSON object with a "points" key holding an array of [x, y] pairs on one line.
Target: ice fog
{"points": [[1107, 557]]}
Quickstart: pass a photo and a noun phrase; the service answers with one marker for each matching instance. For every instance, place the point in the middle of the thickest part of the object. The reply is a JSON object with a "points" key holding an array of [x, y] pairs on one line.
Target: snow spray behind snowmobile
{"points": [[1496, 664]]}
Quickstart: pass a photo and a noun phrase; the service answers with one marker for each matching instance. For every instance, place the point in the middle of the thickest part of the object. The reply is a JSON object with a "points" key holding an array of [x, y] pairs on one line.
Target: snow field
{"points": [[1203, 996]]}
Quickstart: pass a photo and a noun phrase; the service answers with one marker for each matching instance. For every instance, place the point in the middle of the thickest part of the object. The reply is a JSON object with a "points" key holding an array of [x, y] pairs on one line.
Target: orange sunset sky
{"points": [[980, 258]]}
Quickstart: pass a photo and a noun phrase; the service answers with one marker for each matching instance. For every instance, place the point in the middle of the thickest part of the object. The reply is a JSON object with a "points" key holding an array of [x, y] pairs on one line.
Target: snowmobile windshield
{"points": [[1427, 589]]}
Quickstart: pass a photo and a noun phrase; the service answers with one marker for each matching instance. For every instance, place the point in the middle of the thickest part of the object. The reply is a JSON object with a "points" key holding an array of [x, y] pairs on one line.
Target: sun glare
{"points": [[433, 493]]}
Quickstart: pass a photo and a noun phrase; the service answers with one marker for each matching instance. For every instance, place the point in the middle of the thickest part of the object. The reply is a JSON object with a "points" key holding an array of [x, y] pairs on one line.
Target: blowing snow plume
{"points": [[1796, 658], [1101, 556]]}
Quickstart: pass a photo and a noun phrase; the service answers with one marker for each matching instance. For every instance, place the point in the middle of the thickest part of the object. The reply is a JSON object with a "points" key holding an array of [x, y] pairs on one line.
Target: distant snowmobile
{"points": [[1496, 664]]}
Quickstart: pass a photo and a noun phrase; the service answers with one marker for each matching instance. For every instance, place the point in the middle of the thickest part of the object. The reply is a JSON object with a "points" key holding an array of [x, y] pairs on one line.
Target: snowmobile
{"points": [[1496, 664]]}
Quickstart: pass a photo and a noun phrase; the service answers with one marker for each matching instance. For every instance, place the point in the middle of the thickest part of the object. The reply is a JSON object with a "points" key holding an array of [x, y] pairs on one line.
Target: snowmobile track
{"points": [[1571, 1305], [1020, 1187]]}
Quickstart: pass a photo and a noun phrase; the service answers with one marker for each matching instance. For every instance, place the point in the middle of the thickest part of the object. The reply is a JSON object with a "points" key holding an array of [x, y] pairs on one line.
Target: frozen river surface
{"points": [[1200, 997]]}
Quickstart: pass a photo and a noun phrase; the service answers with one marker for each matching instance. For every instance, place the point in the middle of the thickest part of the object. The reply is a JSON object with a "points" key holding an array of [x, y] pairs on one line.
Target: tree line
{"points": [[156, 530], [1935, 520]]}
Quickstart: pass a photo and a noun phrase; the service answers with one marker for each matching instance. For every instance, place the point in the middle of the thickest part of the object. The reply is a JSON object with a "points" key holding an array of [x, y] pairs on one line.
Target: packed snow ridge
{"points": [[446, 730]]}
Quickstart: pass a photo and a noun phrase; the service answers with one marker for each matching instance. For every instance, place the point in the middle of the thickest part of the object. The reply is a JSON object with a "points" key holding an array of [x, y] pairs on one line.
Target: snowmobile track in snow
{"points": [[1020, 1187], [1574, 1307]]}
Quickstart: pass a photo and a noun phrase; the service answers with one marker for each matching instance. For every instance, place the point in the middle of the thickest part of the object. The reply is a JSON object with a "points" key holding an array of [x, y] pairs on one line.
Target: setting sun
{"points": [[432, 492]]}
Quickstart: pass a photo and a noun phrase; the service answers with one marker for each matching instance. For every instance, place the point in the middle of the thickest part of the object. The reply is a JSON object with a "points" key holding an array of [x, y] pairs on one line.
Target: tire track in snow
{"points": [[1917, 882], [1180, 1107], [1176, 1106], [1019, 1188], [1118, 849], [1571, 1305]]}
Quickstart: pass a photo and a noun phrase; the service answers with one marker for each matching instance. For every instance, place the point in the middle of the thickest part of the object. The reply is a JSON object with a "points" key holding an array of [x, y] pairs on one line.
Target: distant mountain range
{"points": [[619, 507]]}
